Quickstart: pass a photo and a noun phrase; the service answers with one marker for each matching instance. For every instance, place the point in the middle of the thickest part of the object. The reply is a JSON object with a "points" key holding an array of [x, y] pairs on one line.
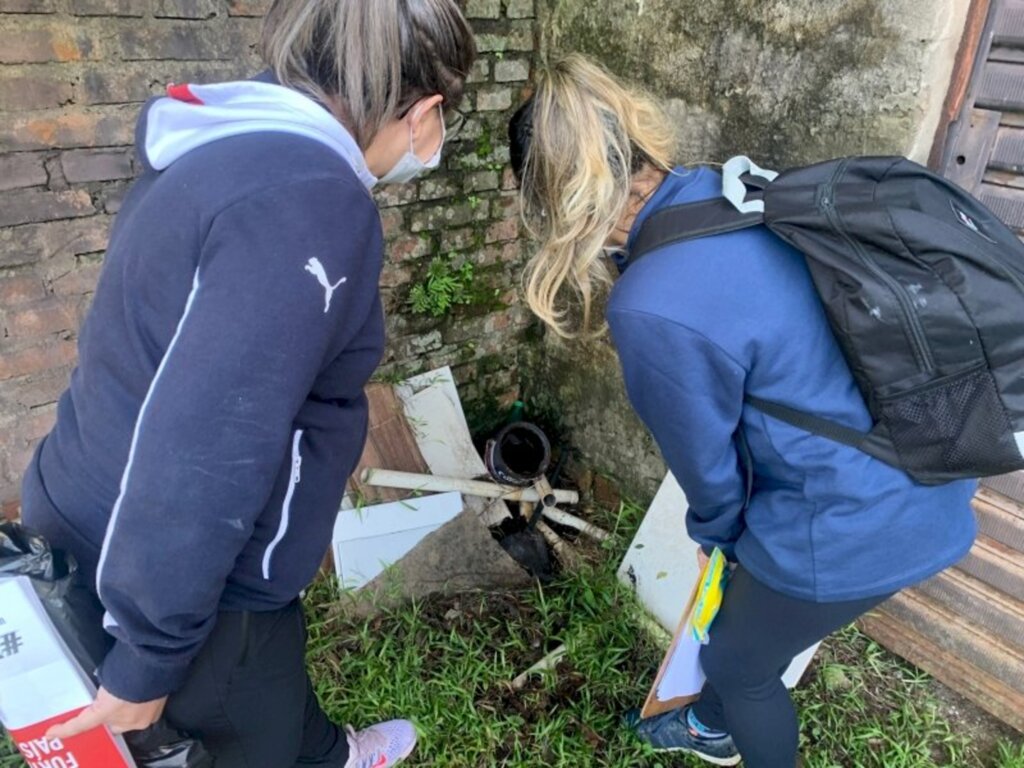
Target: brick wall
{"points": [[72, 76]]}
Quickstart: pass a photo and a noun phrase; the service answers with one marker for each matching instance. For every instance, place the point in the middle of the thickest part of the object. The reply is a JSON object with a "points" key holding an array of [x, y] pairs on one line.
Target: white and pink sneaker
{"points": [[381, 745]]}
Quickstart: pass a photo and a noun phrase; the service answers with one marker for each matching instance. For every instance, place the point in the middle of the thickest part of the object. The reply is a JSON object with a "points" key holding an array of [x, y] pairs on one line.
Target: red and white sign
{"points": [[41, 685]]}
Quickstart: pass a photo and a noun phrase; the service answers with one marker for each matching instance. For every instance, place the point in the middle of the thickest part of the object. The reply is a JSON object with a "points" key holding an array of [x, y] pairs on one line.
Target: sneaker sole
{"points": [[706, 758]]}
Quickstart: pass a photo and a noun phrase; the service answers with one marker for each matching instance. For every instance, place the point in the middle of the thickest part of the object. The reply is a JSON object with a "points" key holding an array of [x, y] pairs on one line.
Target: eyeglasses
{"points": [[454, 121]]}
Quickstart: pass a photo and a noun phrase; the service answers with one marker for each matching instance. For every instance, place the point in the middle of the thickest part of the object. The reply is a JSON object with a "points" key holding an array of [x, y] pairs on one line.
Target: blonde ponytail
{"points": [[589, 133]]}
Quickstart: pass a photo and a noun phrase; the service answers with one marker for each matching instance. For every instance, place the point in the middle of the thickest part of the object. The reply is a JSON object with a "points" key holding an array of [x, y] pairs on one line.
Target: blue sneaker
{"points": [[670, 733]]}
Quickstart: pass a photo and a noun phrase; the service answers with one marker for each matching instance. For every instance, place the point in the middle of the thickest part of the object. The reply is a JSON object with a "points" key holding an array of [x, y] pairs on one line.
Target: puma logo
{"points": [[315, 268]]}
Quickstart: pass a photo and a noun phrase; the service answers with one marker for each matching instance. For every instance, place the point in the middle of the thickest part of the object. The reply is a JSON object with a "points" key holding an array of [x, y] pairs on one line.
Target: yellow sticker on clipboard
{"points": [[709, 597]]}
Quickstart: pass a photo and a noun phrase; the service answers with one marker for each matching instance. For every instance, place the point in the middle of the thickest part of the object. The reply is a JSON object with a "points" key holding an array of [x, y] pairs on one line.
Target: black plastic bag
{"points": [[72, 610]]}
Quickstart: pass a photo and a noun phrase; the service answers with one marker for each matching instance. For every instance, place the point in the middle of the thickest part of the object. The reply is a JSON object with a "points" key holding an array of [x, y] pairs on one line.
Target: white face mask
{"points": [[410, 167]]}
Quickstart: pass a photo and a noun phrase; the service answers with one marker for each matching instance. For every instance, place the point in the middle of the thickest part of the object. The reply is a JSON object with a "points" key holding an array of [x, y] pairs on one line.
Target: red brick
{"points": [[53, 241], [44, 318], [34, 205], [35, 46], [96, 165], [19, 290], [29, 92], [41, 357], [23, 170], [28, 6], [94, 127], [110, 7]]}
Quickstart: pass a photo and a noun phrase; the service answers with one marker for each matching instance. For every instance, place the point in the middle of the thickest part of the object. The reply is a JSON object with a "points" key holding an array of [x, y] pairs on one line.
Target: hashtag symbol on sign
{"points": [[10, 644]]}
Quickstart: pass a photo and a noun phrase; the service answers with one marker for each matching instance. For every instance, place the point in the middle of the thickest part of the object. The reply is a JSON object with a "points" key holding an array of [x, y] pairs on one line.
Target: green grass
{"points": [[447, 665]]}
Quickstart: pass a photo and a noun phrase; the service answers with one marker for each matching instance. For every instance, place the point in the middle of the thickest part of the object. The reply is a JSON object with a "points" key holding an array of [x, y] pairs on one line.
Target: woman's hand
{"points": [[702, 559], [117, 715]]}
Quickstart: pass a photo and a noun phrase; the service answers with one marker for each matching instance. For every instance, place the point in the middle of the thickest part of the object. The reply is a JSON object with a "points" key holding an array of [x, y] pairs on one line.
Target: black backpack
{"points": [[924, 290]]}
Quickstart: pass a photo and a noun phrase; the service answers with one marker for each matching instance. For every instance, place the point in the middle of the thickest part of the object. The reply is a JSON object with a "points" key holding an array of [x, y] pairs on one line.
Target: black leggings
{"points": [[754, 638]]}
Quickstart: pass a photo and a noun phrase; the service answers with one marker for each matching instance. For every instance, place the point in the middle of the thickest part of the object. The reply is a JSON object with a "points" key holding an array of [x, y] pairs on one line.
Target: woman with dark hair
{"points": [[200, 453], [823, 533]]}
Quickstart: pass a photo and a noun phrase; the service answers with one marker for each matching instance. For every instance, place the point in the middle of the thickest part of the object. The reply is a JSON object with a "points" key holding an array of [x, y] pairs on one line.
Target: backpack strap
{"points": [[875, 443], [809, 422], [690, 221]]}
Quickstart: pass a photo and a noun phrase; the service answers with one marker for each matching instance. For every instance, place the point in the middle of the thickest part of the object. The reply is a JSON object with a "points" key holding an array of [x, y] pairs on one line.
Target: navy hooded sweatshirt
{"points": [[217, 409], [698, 325]]}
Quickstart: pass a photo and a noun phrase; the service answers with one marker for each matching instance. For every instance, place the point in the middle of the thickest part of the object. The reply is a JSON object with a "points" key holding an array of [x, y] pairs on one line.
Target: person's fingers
{"points": [[86, 720]]}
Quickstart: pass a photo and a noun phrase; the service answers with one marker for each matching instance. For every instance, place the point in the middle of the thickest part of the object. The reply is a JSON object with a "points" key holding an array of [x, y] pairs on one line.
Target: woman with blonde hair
{"points": [[819, 532], [200, 454]]}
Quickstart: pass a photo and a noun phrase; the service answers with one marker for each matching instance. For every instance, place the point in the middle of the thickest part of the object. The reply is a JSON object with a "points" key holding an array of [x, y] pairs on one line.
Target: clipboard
{"points": [[680, 679]]}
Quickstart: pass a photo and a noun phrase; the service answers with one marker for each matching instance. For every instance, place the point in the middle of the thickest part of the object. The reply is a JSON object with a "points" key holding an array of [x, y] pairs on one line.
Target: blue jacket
{"points": [[700, 324], [217, 409]]}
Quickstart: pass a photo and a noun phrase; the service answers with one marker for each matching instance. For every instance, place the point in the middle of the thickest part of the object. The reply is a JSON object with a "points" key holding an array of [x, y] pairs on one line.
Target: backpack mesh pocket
{"points": [[959, 425]]}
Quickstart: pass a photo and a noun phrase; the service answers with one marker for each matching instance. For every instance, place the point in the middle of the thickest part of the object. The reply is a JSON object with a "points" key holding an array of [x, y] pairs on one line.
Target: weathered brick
{"points": [[388, 195], [39, 389], [503, 230], [28, 6], [441, 217], [43, 318], [482, 180], [494, 99], [40, 357], [437, 187], [182, 41], [18, 290], [512, 70], [33, 243], [95, 127], [33, 205], [393, 276], [521, 36], [36, 423], [520, 9], [483, 9], [480, 72], [96, 165], [392, 221], [28, 92], [408, 248], [110, 7], [248, 7], [10, 507], [138, 81], [21, 170], [185, 9], [76, 282], [112, 196], [54, 43]]}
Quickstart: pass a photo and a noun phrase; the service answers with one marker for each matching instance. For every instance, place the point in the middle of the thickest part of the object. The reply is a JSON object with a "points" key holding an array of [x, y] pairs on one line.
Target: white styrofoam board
{"points": [[434, 411], [368, 540], [661, 565]]}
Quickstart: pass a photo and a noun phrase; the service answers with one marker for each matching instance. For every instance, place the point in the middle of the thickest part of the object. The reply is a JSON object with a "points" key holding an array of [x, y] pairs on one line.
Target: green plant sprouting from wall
{"points": [[443, 288]]}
